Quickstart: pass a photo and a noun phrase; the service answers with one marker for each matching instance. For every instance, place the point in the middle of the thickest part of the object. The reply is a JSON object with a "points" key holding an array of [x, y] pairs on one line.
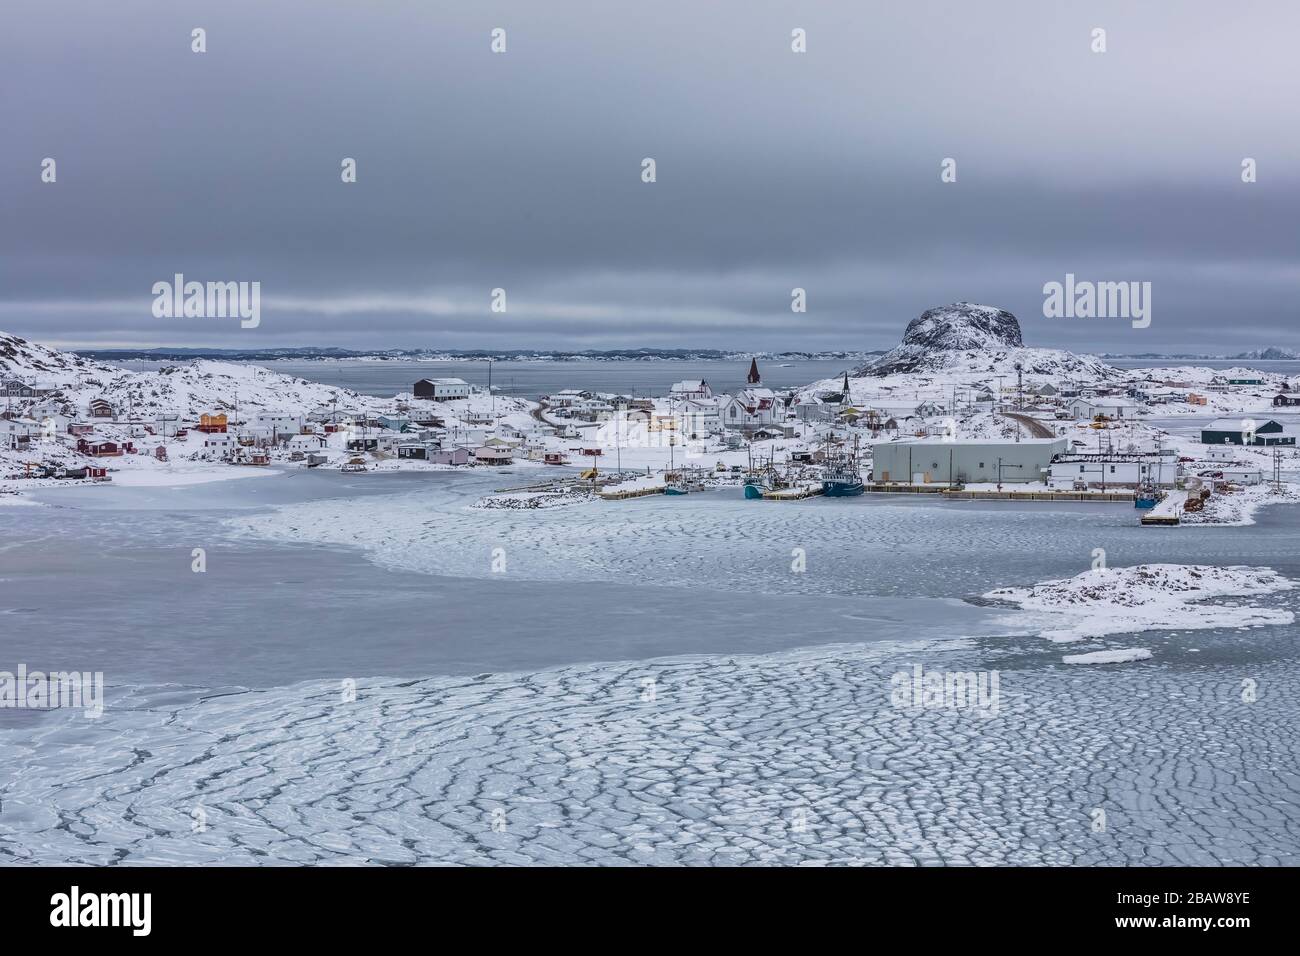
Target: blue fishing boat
{"points": [[842, 480], [1146, 498]]}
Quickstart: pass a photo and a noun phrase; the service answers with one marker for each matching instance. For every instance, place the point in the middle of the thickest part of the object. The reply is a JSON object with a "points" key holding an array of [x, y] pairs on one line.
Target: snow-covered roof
{"points": [[1234, 425]]}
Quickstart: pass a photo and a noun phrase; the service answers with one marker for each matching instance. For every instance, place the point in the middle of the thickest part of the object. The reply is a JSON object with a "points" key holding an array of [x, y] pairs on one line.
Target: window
{"points": [[1112, 469], [981, 464], [1081, 469]]}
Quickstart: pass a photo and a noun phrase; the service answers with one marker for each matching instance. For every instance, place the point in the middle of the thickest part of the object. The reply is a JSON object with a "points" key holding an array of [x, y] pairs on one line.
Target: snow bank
{"points": [[1146, 597]]}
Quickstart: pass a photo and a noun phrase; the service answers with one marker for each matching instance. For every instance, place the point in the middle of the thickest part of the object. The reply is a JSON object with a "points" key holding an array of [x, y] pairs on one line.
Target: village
{"points": [[1067, 431]]}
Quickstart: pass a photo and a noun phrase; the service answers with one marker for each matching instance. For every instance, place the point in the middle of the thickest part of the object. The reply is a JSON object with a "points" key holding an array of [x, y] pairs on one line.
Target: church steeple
{"points": [[754, 378]]}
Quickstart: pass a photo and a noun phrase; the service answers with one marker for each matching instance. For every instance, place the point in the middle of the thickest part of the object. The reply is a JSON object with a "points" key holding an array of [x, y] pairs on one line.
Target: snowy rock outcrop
{"points": [[977, 339], [1149, 597]]}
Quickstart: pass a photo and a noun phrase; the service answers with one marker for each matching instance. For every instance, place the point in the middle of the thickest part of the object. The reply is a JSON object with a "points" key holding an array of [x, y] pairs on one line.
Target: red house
{"points": [[98, 449]]}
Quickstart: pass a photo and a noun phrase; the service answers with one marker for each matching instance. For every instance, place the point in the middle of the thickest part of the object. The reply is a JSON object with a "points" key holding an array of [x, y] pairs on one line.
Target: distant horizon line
{"points": [[664, 352]]}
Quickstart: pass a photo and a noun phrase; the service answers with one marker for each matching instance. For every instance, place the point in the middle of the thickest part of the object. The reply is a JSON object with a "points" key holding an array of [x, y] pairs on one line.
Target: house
{"points": [[1246, 380], [212, 424], [1234, 431], [1286, 398], [99, 449], [488, 455], [700, 417], [816, 410], [101, 408], [13, 388], [441, 389], [218, 444], [1194, 399], [16, 433], [1242, 474], [690, 391], [395, 423], [168, 426], [418, 450], [277, 423], [306, 443], [80, 428], [1090, 408], [751, 408], [923, 409], [1111, 470], [567, 397], [459, 455]]}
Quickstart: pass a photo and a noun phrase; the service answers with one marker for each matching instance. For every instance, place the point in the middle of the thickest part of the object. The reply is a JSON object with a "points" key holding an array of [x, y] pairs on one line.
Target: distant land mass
{"points": [[310, 353], [1270, 354]]}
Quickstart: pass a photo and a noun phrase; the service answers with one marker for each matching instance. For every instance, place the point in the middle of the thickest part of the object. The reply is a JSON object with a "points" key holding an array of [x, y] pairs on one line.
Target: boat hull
{"points": [[842, 489], [753, 491]]}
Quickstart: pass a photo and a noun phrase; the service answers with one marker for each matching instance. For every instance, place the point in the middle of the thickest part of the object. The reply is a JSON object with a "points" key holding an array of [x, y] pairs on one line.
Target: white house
{"points": [[690, 390], [218, 444], [16, 432], [1242, 474], [277, 423], [1090, 408], [752, 408], [567, 397], [700, 417], [306, 443]]}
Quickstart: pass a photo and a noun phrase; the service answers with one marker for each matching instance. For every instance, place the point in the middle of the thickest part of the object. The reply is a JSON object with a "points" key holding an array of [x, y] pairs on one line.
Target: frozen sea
{"points": [[371, 670]]}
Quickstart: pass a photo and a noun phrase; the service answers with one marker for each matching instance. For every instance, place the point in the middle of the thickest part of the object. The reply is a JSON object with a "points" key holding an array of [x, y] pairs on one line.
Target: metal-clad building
{"points": [[924, 460], [1237, 431]]}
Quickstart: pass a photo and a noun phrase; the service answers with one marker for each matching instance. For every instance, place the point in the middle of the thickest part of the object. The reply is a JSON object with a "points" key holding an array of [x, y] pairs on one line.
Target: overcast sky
{"points": [[522, 170]]}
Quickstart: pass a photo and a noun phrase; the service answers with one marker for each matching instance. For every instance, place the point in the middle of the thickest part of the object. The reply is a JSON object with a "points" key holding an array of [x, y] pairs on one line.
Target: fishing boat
{"points": [[842, 479], [676, 488], [1146, 498], [842, 476]]}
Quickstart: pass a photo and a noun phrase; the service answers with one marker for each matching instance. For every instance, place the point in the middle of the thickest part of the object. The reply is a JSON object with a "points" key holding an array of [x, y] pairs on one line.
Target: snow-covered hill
{"points": [[976, 343], [204, 386], [187, 390], [38, 364]]}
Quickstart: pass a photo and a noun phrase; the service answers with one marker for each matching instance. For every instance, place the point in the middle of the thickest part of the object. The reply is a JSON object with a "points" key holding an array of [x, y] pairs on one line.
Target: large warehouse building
{"points": [[926, 460]]}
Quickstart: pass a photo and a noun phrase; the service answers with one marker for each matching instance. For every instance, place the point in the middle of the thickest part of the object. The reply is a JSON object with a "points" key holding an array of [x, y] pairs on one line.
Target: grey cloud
{"points": [[522, 170]]}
